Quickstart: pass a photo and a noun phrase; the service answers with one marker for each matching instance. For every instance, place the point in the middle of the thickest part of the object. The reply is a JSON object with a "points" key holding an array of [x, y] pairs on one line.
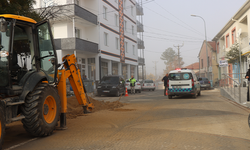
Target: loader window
{"points": [[4, 56], [22, 53], [47, 56]]}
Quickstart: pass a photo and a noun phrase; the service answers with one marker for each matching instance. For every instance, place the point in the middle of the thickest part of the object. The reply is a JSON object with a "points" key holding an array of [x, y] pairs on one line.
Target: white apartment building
{"points": [[101, 33], [235, 31]]}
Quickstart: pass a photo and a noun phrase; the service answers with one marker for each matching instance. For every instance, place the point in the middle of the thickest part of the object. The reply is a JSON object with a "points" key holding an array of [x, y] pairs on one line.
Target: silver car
{"points": [[148, 85]]}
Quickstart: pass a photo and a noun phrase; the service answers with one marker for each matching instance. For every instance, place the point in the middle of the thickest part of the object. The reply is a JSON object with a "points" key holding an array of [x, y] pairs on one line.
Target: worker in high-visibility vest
{"points": [[132, 81]]}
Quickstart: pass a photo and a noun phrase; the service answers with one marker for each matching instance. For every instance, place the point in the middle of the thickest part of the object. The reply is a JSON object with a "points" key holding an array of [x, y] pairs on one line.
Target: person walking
{"points": [[165, 79], [132, 84], [248, 78]]}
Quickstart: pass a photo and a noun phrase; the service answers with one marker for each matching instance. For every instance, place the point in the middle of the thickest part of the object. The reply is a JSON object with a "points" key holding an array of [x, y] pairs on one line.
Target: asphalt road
{"points": [[148, 121]]}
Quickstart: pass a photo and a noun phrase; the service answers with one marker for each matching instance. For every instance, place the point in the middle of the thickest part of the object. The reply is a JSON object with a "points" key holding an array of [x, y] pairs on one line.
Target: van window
{"points": [[110, 80], [180, 76]]}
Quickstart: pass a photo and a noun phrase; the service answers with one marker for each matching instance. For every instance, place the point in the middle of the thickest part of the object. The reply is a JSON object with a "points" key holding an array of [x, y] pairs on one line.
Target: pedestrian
{"points": [[247, 77], [165, 79], [132, 84]]}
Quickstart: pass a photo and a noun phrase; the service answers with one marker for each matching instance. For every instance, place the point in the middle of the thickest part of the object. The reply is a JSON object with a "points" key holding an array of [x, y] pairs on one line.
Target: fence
{"points": [[232, 88]]}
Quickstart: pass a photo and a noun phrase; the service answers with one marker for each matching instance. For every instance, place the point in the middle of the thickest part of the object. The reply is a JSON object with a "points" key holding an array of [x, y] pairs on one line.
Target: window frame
{"points": [[105, 9], [105, 38], [227, 40]]}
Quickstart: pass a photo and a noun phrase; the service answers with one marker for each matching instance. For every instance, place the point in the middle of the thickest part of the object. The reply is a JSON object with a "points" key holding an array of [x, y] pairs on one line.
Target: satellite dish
{"points": [[239, 32]]}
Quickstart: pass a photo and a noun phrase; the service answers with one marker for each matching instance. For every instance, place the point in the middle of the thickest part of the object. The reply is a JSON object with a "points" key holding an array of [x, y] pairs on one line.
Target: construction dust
{"points": [[74, 109]]}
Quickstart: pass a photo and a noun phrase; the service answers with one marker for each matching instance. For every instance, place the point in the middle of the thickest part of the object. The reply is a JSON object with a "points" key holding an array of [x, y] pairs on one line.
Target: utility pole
{"points": [[155, 69], [178, 47]]}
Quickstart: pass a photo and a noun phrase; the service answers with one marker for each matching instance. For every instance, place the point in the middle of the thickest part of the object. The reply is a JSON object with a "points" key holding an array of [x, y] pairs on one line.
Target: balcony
{"points": [[72, 10], [140, 44], [76, 44], [139, 10], [139, 26], [141, 61]]}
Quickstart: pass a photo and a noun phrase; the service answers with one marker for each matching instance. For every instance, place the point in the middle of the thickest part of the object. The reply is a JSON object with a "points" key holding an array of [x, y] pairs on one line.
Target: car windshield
{"points": [[148, 81], [180, 76], [4, 53], [110, 80]]}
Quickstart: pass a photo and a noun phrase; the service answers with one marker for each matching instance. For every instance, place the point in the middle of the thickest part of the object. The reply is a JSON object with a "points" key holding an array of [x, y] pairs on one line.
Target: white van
{"points": [[183, 82]]}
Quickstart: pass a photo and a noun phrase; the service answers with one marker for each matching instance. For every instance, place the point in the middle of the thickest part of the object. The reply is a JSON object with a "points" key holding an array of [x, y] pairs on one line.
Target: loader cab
{"points": [[26, 48]]}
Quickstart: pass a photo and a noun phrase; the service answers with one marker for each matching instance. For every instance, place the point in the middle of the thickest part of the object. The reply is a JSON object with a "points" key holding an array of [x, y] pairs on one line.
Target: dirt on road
{"points": [[74, 109]]}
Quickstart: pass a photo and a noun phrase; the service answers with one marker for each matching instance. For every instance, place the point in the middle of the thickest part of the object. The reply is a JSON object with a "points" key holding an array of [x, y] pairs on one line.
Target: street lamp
{"points": [[206, 43]]}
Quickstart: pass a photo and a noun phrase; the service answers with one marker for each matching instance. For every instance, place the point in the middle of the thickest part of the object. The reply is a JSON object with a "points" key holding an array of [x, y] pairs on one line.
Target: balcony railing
{"points": [[140, 44], [139, 10], [76, 44], [141, 61], [69, 11], [139, 26]]}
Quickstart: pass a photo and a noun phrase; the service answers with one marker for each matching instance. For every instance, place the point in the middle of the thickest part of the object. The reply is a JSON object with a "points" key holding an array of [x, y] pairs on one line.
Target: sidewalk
{"points": [[233, 94]]}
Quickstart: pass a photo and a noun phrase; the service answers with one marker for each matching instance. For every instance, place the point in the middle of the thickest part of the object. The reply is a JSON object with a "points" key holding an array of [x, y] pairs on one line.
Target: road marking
{"points": [[18, 145]]}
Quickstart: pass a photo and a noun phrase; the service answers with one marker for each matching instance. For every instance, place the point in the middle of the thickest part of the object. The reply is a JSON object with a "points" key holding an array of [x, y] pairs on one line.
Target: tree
{"points": [[19, 7], [171, 59], [233, 55], [150, 77]]}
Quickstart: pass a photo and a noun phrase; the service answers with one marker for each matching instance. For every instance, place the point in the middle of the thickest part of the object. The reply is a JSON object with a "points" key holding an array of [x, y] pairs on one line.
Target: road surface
{"points": [[148, 121]]}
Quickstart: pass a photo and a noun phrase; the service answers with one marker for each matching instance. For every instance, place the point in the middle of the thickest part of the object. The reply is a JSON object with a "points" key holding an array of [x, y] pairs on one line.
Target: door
{"points": [[47, 55]]}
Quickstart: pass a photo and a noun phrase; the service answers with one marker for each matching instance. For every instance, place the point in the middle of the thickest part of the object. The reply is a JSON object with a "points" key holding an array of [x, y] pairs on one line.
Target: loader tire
{"points": [[41, 110], [2, 125]]}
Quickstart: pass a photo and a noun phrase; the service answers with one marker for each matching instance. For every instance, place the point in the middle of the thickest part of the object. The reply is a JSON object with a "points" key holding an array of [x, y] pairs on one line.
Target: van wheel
{"points": [[169, 97], [199, 94]]}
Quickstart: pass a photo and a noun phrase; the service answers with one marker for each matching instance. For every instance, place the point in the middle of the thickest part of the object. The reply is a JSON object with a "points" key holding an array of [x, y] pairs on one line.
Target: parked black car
{"points": [[111, 85], [205, 83]]}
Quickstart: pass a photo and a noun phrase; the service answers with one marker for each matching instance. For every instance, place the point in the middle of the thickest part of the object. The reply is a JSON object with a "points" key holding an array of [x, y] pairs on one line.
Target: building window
{"points": [[132, 10], [77, 33], [133, 30], [116, 20], [233, 36], [132, 70], [83, 67], [218, 48], [227, 40], [124, 71], [133, 47], [117, 43], [104, 12], [201, 63], [104, 69], [91, 68], [124, 4], [208, 61], [105, 39], [126, 47], [125, 25], [114, 68]]}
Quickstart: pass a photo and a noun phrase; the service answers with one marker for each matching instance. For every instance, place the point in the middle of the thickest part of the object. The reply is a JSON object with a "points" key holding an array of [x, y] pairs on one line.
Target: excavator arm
{"points": [[71, 72]]}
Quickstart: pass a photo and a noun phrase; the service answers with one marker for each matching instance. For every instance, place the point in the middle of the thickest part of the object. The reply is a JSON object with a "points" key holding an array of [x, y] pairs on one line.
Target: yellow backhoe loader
{"points": [[32, 83]]}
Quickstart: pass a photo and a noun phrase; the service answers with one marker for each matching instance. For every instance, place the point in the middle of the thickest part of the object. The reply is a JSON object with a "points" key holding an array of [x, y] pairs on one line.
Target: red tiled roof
{"points": [[193, 66]]}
